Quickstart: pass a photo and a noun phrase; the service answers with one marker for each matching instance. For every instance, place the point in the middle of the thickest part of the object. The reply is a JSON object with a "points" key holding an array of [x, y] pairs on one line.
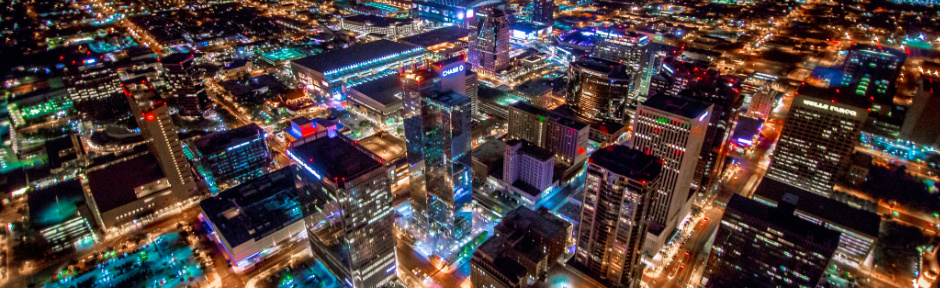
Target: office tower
{"points": [[525, 246], [650, 65], [672, 129], [455, 75], [615, 213], [598, 89], [859, 228], [870, 72], [488, 52], [232, 155], [95, 90], [565, 137], [253, 219], [182, 82], [157, 126], [437, 136], [543, 12], [326, 76], [347, 206], [762, 102], [920, 125], [817, 140], [614, 43], [677, 75], [723, 93], [760, 246]]}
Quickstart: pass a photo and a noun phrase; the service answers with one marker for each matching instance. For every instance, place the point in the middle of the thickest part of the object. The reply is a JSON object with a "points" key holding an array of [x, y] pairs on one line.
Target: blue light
{"points": [[702, 118], [90, 61], [303, 164]]}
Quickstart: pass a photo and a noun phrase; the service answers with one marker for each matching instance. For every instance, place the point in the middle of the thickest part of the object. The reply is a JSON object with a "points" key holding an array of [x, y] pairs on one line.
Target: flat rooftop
{"points": [[113, 186], [222, 140], [612, 70], [256, 208], [385, 145], [550, 115], [680, 106], [627, 162], [826, 208], [434, 37], [794, 226], [382, 90], [355, 54], [54, 204], [336, 157]]}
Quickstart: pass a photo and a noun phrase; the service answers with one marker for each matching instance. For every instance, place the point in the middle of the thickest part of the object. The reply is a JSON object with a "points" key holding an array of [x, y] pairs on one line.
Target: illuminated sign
{"points": [[451, 71], [237, 146], [303, 164], [832, 108], [667, 68]]}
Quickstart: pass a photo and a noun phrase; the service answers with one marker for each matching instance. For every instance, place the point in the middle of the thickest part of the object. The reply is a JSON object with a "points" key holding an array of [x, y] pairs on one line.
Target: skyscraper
{"points": [[920, 125], [489, 41], [621, 184], [437, 137], [347, 206], [238, 154], [182, 83], [566, 137], [95, 89], [760, 246], [614, 43], [870, 73], [164, 143], [673, 129], [598, 89], [543, 12], [817, 140], [650, 65]]}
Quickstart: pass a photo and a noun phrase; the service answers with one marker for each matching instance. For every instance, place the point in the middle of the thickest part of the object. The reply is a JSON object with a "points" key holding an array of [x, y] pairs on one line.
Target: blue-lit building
{"points": [[252, 220], [870, 72], [437, 136], [449, 11], [60, 214], [230, 156], [346, 201], [325, 77]]}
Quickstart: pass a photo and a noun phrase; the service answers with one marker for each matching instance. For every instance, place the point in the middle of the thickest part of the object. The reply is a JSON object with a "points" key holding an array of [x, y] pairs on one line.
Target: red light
{"points": [[581, 150], [149, 116]]}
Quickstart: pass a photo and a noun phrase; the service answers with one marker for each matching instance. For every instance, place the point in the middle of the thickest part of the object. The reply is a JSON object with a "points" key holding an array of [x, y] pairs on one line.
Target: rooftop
{"points": [[612, 70], [532, 150], [113, 186], [377, 21], [550, 115], [438, 36], [793, 225], [336, 157], [534, 87], [54, 204], [822, 207], [680, 106], [218, 141], [382, 90], [627, 162], [449, 98], [355, 54], [256, 208]]}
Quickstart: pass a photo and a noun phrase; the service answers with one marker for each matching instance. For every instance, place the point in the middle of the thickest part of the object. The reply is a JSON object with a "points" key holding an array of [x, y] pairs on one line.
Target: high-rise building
{"points": [[542, 12], [95, 90], [456, 75], [870, 73], [237, 154], [566, 137], [920, 125], [525, 246], [760, 246], [180, 74], [723, 93], [650, 65], [672, 129], [817, 140], [165, 145], [599, 89], [437, 136], [346, 202], [488, 52], [615, 214], [677, 75], [458, 12], [617, 44]]}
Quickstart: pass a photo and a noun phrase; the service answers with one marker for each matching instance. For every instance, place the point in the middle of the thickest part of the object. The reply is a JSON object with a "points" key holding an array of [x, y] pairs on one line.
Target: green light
{"points": [[895, 213], [542, 119], [662, 120]]}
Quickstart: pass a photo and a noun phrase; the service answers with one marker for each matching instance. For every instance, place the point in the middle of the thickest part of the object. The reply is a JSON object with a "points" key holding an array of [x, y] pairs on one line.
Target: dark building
{"points": [[252, 219], [542, 12], [723, 93], [346, 201], [488, 52], [615, 213], [181, 80], [238, 154], [617, 44], [60, 214], [817, 140], [598, 89], [921, 126], [870, 72], [525, 245], [761, 246], [95, 90]]}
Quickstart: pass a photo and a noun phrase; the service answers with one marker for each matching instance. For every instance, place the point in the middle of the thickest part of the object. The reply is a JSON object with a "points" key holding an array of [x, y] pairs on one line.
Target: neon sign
{"points": [[451, 71], [832, 108]]}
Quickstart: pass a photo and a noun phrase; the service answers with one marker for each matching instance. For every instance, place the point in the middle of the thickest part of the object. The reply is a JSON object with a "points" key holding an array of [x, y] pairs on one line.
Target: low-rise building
{"points": [[379, 99], [60, 214]]}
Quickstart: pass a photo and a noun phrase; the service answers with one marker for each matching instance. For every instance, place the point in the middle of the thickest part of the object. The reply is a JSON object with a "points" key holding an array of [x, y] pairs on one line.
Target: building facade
{"points": [[237, 154], [181, 81], [599, 89], [816, 143], [615, 214], [566, 137], [488, 50]]}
